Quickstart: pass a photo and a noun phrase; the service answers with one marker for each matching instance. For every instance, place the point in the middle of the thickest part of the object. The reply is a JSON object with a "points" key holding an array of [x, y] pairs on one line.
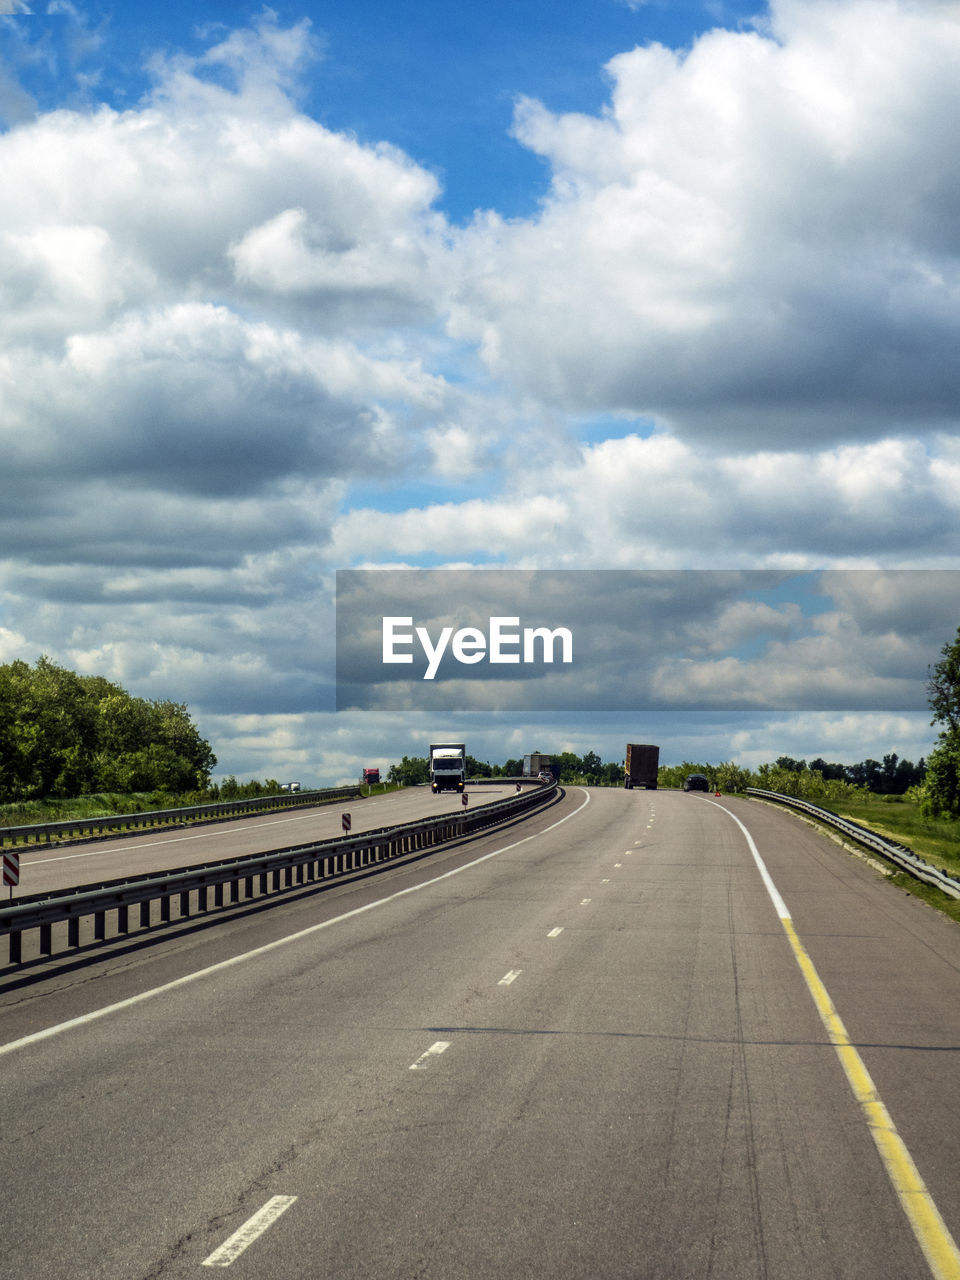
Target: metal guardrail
{"points": [[78, 828], [166, 898], [898, 854]]}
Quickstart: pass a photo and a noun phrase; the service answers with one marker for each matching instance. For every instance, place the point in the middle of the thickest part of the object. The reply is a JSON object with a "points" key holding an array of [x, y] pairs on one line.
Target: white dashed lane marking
{"points": [[254, 1227], [434, 1051]]}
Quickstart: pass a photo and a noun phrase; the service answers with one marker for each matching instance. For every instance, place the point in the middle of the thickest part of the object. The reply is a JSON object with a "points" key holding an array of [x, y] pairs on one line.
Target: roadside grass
{"points": [[21, 813], [947, 906], [937, 840]]}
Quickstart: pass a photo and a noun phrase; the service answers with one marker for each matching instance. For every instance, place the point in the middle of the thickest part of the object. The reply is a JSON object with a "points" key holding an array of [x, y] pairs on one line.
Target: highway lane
{"points": [[43, 870], [591, 1053]]}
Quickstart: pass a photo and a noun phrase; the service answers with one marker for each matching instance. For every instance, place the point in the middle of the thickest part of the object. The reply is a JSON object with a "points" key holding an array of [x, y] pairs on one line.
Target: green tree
{"points": [[940, 795], [571, 766], [590, 766], [943, 687], [941, 786], [410, 772], [732, 777], [62, 734], [791, 765]]}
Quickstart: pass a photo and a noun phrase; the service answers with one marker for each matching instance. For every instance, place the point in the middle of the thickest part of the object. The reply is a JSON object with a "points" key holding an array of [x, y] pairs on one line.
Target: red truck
{"points": [[369, 776]]}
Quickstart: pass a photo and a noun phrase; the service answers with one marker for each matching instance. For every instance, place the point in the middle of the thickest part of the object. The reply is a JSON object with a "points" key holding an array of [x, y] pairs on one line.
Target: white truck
{"points": [[448, 766]]}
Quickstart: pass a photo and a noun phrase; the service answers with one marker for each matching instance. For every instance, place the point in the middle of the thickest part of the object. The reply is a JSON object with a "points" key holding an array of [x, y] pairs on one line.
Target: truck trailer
{"points": [[448, 766], [534, 764], [641, 766]]}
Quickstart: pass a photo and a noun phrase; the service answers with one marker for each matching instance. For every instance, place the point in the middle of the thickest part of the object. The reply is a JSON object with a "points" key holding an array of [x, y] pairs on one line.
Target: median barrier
{"points": [[55, 920]]}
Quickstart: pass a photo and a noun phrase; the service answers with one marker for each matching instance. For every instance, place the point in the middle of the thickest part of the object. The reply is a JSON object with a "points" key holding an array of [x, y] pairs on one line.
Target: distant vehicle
{"points": [[448, 766], [535, 765], [641, 766], [289, 786], [696, 782], [369, 776]]}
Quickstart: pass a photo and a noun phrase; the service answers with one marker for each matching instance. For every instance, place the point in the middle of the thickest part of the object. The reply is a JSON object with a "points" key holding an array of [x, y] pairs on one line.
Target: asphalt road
{"points": [[587, 1046], [43, 870]]}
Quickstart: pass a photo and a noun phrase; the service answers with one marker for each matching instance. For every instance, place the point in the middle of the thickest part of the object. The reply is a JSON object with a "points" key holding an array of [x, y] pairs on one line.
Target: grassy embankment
{"points": [[23, 813], [935, 840]]}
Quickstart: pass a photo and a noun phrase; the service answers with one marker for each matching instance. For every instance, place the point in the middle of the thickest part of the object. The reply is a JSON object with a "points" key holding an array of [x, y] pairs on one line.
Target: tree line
{"points": [[891, 777], [66, 735]]}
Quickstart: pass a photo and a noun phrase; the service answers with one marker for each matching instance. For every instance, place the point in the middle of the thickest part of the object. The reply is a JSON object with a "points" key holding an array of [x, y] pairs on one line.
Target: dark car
{"points": [[696, 782]]}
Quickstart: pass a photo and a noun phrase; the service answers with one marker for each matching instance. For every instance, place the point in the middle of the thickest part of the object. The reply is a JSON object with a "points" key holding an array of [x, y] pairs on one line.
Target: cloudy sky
{"points": [[650, 286]]}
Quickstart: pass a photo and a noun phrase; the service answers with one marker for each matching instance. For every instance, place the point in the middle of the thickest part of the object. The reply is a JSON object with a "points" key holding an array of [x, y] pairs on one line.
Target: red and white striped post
{"points": [[11, 870]]}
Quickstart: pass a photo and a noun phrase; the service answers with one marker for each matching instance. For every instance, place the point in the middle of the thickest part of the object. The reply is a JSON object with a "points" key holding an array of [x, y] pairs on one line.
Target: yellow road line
{"points": [[933, 1236]]}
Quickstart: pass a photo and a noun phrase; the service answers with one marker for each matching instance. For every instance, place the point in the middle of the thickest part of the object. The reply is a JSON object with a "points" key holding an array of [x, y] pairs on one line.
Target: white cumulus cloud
{"points": [[756, 241]]}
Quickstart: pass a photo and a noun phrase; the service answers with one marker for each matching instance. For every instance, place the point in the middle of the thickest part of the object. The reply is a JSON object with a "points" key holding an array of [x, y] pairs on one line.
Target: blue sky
{"points": [[438, 80], [656, 286]]}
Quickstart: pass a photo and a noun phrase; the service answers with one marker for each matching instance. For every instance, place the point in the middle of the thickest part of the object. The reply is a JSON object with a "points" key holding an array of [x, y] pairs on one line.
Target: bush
{"points": [[941, 786]]}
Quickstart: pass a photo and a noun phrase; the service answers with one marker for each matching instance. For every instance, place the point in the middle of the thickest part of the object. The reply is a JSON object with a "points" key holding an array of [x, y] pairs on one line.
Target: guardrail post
{"points": [[311, 862]]}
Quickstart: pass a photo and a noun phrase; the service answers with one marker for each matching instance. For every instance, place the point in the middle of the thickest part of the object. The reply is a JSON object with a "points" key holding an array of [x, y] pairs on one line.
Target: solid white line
{"points": [[509, 977], [231, 1249], [929, 1228], [433, 1052], [774, 893], [95, 1014]]}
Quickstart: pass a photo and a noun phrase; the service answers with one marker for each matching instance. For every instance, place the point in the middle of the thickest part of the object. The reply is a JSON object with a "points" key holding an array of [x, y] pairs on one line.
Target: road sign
{"points": [[345, 821], [11, 868], [464, 801]]}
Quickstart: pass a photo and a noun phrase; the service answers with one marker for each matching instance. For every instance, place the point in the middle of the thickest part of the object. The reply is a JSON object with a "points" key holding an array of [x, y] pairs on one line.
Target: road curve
{"points": [[583, 1047]]}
